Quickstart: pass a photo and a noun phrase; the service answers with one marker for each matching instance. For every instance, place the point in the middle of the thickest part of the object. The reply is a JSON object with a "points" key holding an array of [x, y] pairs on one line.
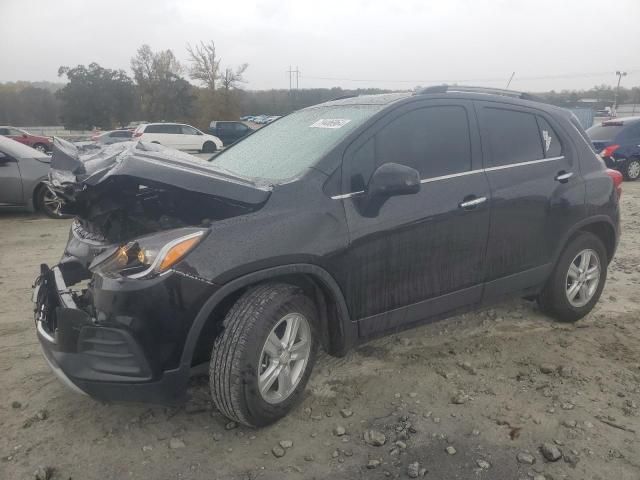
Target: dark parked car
{"points": [[114, 136], [618, 142], [335, 224], [23, 180], [229, 132], [38, 142]]}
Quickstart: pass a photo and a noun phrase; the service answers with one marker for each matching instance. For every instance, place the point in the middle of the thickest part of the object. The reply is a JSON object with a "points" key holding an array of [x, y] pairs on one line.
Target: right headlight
{"points": [[148, 256]]}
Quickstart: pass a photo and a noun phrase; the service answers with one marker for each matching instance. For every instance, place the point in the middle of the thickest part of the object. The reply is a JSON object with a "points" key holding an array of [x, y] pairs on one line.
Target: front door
{"points": [[10, 181], [420, 255], [537, 194]]}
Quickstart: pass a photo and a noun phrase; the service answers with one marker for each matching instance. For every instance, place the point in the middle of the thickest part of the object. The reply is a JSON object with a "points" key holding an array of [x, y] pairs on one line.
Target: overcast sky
{"points": [[348, 43]]}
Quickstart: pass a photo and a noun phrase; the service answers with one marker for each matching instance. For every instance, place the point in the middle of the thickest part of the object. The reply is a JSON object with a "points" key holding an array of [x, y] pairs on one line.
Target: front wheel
{"points": [[41, 147], [49, 203], [577, 279], [262, 359], [632, 171]]}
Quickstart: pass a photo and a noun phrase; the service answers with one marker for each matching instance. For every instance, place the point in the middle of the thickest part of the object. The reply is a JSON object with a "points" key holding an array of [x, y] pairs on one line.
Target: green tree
{"points": [[96, 97], [164, 94]]}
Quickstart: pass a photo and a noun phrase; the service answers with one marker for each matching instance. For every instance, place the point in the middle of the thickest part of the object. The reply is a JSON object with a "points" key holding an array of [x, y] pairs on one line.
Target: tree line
{"points": [[159, 89]]}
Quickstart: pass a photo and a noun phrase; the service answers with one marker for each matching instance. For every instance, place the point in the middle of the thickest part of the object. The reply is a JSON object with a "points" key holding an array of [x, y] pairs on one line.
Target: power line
{"points": [[499, 79]]}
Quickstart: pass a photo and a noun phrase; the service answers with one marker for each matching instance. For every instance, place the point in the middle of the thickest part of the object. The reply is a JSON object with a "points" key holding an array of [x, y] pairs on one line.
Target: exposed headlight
{"points": [[147, 256]]}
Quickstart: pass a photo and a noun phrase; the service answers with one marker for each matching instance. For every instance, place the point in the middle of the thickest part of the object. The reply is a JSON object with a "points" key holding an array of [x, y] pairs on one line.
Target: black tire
{"points": [[235, 359], [42, 203], [209, 147], [553, 298], [41, 147], [632, 170]]}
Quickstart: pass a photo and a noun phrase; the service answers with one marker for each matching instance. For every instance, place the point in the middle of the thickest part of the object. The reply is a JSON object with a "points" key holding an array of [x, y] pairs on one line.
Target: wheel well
{"points": [[36, 192], [604, 232], [321, 295]]}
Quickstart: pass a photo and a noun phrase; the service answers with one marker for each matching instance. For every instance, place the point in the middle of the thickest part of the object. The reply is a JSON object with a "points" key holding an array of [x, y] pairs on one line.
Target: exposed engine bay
{"points": [[130, 189]]}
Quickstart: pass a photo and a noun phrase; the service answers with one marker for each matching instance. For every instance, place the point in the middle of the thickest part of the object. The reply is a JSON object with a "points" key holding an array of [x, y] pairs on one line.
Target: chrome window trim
{"points": [[452, 175], [530, 162], [462, 174]]}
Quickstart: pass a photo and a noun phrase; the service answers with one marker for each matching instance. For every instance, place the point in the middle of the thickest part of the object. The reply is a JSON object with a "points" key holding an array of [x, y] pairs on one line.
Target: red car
{"points": [[44, 144]]}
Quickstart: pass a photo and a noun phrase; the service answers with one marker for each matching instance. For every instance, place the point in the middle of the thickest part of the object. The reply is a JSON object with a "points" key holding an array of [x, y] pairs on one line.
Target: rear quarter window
{"points": [[551, 142]]}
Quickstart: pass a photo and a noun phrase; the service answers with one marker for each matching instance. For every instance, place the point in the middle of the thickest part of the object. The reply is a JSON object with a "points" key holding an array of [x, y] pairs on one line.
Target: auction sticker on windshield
{"points": [[330, 123]]}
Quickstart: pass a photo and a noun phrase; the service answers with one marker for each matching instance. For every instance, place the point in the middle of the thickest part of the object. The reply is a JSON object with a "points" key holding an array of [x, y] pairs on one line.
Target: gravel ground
{"points": [[500, 394]]}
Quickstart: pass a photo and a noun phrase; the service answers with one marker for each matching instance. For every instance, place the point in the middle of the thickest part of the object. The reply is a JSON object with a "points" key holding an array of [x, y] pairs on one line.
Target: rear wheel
{"points": [[262, 360], [577, 280], [209, 147], [632, 172]]}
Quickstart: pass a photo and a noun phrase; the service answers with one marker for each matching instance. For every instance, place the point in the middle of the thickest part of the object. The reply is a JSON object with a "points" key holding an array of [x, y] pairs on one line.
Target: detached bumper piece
{"points": [[104, 362]]}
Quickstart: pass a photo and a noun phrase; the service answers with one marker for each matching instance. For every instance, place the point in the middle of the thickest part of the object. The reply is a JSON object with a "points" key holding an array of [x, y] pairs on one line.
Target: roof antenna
{"points": [[509, 82]]}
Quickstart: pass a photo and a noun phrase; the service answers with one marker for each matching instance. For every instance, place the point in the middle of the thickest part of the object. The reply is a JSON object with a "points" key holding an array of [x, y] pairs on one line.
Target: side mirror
{"points": [[24, 135], [392, 179], [4, 158]]}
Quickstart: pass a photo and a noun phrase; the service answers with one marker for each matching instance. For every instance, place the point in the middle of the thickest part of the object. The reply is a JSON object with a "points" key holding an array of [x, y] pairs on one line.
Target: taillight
{"points": [[137, 134], [608, 151], [616, 176]]}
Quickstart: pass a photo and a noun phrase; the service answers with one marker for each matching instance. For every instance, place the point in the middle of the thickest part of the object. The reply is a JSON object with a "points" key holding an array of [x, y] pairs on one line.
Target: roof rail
{"points": [[463, 88], [342, 97]]}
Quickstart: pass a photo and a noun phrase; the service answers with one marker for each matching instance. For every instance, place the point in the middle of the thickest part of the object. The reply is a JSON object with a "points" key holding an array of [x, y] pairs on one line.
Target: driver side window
{"points": [[433, 140]]}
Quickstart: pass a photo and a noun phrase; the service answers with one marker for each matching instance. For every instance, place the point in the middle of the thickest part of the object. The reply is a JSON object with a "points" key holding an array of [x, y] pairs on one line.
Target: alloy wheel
{"points": [[52, 202], [583, 278], [284, 358], [633, 170]]}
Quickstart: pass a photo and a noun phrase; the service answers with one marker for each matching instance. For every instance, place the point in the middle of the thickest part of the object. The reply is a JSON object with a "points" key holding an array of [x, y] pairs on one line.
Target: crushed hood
{"points": [[121, 191], [89, 166]]}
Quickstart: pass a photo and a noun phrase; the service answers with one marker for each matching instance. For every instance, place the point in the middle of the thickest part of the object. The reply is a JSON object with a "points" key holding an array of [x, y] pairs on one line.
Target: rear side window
{"points": [[550, 140], [513, 136], [121, 134], [163, 128], [605, 132]]}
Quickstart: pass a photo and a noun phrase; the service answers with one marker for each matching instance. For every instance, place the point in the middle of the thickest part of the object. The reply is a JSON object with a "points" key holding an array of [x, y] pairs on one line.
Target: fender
{"points": [[579, 226], [347, 328]]}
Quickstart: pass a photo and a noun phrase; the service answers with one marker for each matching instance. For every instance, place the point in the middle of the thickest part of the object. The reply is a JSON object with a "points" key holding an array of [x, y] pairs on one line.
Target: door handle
{"points": [[472, 203], [563, 177]]}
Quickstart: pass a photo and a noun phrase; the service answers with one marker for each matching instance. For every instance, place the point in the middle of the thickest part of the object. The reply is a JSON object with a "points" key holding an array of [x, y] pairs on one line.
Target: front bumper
{"points": [[102, 359]]}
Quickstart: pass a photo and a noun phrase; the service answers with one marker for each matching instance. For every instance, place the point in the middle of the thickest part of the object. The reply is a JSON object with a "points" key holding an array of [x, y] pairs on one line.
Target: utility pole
{"points": [[620, 74], [294, 78]]}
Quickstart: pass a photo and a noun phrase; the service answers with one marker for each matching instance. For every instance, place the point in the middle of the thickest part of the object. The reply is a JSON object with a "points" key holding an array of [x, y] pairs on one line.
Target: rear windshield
{"points": [[285, 148], [604, 131]]}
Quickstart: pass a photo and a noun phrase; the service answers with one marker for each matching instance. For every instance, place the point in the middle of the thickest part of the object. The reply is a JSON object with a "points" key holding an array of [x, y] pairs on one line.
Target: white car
{"points": [[178, 136]]}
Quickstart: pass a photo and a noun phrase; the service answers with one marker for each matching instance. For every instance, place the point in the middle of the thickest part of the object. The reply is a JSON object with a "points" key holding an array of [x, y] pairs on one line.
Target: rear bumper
{"points": [[105, 362]]}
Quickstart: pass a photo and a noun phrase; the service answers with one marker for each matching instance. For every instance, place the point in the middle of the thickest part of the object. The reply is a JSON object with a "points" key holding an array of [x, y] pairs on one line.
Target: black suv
{"points": [[337, 223], [229, 132], [618, 142]]}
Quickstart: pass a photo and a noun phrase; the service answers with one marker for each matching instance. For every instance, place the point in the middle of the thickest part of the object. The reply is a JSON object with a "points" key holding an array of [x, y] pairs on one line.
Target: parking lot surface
{"points": [[504, 393]]}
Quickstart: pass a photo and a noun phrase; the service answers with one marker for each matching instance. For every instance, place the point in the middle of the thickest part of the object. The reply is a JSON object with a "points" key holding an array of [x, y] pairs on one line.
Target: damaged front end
{"points": [[113, 315]]}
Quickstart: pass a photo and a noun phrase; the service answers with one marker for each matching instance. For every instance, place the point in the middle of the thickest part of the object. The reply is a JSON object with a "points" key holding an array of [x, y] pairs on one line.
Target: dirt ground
{"points": [[493, 385]]}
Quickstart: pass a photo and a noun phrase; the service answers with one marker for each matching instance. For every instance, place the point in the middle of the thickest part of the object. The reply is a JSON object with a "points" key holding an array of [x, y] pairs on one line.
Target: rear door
{"points": [[423, 254], [537, 194], [190, 138]]}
